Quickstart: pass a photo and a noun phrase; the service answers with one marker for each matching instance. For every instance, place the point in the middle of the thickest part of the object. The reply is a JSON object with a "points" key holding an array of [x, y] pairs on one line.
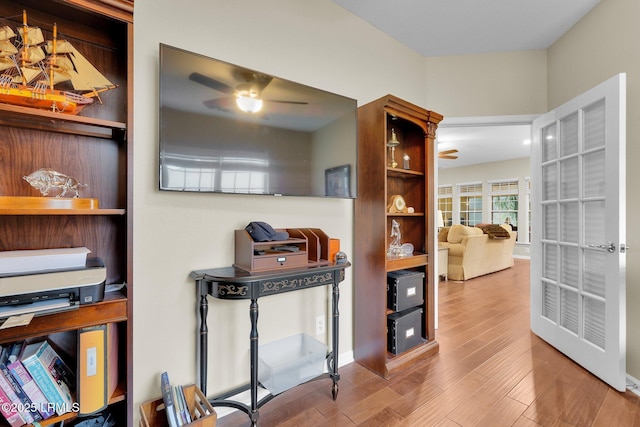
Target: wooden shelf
{"points": [[399, 263], [404, 173], [17, 205], [33, 118], [416, 214], [112, 309], [415, 129], [119, 395], [19, 211]]}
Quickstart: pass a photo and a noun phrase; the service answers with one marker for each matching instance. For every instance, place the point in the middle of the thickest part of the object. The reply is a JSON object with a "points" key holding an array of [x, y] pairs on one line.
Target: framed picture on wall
{"points": [[338, 181]]}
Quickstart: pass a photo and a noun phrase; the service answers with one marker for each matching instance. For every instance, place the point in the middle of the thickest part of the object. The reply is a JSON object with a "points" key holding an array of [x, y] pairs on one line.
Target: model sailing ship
{"points": [[31, 67]]}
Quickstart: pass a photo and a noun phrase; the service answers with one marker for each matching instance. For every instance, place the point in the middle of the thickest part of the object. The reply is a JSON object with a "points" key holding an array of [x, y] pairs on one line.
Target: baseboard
{"points": [[345, 358], [633, 385]]}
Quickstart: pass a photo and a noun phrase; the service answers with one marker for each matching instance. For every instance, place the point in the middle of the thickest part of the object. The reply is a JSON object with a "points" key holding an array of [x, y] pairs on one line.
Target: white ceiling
{"points": [[483, 144], [465, 27]]}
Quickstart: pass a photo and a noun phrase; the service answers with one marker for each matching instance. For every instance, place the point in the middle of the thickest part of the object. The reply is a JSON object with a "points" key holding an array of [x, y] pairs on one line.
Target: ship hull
{"points": [[48, 99]]}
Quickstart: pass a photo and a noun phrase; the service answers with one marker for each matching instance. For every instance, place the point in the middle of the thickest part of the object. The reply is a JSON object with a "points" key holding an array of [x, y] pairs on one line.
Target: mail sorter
{"points": [[50, 291]]}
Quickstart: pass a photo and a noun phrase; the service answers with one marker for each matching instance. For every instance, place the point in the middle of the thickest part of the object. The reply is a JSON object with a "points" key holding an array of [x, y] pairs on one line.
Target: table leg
{"points": [[335, 328], [204, 308], [253, 315]]}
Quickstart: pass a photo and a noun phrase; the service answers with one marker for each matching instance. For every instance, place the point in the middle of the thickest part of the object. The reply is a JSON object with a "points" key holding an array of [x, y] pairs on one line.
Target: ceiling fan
{"points": [[246, 94], [448, 154]]}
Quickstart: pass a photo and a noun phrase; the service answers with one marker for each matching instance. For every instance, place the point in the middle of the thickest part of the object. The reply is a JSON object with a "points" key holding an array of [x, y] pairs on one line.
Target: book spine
{"points": [[10, 392], [185, 405], [47, 384], [9, 412], [61, 373], [178, 405], [4, 354], [167, 397], [27, 404], [31, 389], [14, 352]]}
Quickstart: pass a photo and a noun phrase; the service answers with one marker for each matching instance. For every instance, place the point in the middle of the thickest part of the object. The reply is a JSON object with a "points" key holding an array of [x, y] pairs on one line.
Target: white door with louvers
{"points": [[578, 240]]}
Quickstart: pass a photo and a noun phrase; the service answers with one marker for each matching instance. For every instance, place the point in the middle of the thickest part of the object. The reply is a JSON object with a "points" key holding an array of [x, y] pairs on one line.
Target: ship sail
{"points": [[6, 64], [83, 75], [31, 35], [7, 48], [31, 67], [31, 54], [6, 33]]}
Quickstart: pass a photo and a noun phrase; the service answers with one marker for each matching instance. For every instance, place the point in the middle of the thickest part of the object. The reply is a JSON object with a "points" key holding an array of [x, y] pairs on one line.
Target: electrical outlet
{"points": [[320, 326]]}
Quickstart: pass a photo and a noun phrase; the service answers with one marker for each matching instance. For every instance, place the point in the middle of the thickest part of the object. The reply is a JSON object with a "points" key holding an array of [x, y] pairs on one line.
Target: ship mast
{"points": [[52, 58], [23, 57]]}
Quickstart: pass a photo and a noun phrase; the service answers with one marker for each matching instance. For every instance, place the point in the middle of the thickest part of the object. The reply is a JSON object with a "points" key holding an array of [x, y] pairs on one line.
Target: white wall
{"points": [[314, 42], [498, 84]]}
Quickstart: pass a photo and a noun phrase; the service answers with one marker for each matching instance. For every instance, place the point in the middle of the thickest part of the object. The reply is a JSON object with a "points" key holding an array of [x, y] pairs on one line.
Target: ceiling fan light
{"points": [[249, 104]]}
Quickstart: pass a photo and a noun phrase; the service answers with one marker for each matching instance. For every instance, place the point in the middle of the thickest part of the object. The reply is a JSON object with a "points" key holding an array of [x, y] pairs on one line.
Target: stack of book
{"points": [[178, 406], [35, 383], [175, 403]]}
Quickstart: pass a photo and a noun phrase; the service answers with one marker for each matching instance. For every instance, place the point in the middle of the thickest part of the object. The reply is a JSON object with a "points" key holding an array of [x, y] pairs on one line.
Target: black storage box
{"points": [[404, 330], [405, 289]]}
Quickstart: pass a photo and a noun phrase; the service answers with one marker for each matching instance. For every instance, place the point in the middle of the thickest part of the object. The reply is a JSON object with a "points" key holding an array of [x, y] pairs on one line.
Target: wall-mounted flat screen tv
{"points": [[228, 129]]}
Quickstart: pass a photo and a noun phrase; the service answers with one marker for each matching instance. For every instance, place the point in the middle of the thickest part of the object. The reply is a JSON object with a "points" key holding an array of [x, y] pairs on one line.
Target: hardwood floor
{"points": [[490, 371]]}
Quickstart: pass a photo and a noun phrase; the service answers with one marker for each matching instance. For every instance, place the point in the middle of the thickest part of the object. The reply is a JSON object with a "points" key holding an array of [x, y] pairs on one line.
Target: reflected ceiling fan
{"points": [[448, 154], [246, 94]]}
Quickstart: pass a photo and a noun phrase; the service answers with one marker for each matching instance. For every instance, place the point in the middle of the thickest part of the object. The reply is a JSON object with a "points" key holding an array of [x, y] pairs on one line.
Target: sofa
{"points": [[476, 251]]}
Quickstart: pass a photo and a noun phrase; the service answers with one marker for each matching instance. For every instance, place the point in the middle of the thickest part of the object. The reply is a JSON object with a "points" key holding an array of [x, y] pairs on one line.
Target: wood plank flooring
{"points": [[490, 371]]}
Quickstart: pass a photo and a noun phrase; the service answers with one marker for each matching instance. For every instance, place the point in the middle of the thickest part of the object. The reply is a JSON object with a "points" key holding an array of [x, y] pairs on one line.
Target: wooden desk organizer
{"points": [[153, 413], [312, 243]]}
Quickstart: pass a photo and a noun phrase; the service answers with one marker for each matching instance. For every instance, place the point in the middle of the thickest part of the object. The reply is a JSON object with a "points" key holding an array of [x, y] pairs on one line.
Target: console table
{"points": [[231, 283]]}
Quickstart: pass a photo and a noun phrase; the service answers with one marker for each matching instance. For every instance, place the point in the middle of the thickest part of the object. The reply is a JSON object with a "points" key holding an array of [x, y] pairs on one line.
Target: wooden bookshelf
{"points": [[378, 182], [95, 147]]}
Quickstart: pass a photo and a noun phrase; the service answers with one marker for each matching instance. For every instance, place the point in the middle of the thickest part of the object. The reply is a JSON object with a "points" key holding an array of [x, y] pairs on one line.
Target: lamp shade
{"points": [[440, 219]]}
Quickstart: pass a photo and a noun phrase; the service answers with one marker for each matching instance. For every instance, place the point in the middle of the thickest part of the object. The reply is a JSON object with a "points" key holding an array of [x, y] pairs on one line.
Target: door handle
{"points": [[610, 247]]}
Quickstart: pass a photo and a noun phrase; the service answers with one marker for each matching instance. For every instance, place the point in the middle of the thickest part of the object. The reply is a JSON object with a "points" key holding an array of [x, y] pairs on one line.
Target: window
{"points": [[445, 204], [470, 203], [222, 173], [190, 178], [504, 202]]}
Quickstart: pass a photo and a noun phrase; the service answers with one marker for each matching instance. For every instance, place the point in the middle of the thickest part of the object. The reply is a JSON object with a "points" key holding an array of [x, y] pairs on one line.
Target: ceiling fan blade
{"points": [[445, 152], [287, 102], [226, 103], [211, 83], [448, 157]]}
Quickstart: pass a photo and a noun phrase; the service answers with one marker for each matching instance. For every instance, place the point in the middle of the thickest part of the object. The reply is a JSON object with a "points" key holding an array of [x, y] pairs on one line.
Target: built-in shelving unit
{"points": [[379, 180], [95, 147]]}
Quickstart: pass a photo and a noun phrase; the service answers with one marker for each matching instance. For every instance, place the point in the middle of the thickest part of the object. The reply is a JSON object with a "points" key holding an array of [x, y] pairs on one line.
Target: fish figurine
{"points": [[47, 179]]}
